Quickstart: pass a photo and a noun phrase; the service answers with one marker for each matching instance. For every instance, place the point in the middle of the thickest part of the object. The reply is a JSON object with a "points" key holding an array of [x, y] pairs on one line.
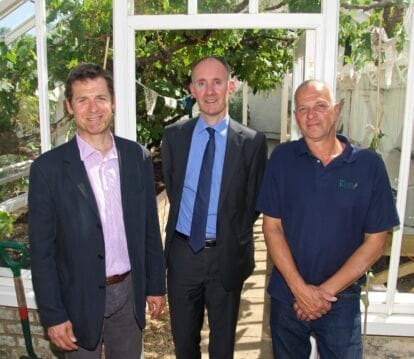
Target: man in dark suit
{"points": [[94, 234], [217, 153]]}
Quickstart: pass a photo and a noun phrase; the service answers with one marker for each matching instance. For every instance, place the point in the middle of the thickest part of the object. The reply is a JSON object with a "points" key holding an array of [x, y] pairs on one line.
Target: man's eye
{"points": [[321, 107]]}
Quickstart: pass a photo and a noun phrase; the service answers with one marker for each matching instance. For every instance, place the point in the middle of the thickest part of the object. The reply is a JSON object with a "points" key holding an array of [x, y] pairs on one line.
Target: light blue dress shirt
{"points": [[198, 145]]}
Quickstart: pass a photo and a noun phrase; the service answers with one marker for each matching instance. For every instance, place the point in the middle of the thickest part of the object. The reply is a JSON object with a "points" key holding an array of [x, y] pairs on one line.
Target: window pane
{"points": [[222, 6], [297, 6], [372, 116], [406, 271], [160, 7]]}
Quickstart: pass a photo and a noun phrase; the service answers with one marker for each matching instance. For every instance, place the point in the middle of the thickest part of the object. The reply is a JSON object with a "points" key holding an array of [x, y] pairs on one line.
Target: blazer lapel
{"points": [[77, 173], [231, 159], [124, 176], [183, 150]]}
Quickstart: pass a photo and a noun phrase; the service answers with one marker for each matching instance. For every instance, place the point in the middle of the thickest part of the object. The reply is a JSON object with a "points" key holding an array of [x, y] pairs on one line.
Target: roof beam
{"points": [[8, 6]]}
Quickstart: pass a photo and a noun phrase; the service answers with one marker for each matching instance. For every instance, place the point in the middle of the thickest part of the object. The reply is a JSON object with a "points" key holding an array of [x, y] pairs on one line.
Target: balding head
{"points": [[320, 86]]}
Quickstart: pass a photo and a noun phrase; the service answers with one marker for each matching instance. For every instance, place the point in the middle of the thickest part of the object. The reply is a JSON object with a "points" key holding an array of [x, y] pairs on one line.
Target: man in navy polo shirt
{"points": [[327, 208]]}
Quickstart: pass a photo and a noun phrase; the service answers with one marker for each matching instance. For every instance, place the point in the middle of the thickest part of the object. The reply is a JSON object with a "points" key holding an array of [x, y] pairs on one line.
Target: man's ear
{"points": [[69, 107], [191, 88], [231, 86]]}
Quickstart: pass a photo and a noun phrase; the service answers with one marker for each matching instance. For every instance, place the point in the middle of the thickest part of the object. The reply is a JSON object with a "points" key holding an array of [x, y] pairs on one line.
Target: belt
{"points": [[117, 278], [208, 243]]}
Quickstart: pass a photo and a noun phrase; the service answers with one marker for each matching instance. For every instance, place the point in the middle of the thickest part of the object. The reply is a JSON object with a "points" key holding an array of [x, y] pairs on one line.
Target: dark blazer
{"points": [[244, 163], [67, 244]]}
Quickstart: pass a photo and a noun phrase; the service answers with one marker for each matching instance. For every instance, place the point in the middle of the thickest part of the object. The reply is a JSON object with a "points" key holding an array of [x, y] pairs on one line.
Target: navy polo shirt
{"points": [[325, 211]]}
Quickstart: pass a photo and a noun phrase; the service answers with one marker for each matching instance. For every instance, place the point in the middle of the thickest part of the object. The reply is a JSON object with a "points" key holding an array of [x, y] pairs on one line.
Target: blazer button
{"points": [[99, 226], [102, 287], [100, 256]]}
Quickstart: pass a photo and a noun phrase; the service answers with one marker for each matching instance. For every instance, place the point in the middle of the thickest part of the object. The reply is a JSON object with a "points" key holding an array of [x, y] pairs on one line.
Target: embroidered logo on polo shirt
{"points": [[344, 184]]}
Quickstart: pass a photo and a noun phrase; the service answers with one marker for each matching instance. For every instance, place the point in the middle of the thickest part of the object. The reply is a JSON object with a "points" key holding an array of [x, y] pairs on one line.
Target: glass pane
{"points": [[292, 6], [222, 6], [15, 18], [19, 121], [372, 116], [160, 7], [406, 271]]}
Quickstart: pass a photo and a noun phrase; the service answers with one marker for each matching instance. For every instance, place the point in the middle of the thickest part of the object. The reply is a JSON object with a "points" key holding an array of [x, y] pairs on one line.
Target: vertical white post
{"points": [[284, 111], [253, 6], [297, 78], [124, 70], [404, 174], [192, 7], [42, 74], [327, 43]]}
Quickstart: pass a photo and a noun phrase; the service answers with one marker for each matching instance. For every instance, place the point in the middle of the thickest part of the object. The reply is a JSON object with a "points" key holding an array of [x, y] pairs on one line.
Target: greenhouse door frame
{"points": [[385, 319], [126, 23]]}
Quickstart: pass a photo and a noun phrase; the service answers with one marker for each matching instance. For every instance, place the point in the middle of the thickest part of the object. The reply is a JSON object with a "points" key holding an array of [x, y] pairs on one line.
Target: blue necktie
{"points": [[202, 200]]}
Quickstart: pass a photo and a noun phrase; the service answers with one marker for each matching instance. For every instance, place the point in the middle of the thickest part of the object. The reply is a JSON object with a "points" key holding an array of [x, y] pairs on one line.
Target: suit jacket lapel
{"points": [[231, 159], [77, 173], [183, 150], [123, 175]]}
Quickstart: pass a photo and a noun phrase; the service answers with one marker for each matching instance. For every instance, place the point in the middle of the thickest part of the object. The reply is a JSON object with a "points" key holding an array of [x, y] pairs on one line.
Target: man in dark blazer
{"points": [[94, 235], [212, 275]]}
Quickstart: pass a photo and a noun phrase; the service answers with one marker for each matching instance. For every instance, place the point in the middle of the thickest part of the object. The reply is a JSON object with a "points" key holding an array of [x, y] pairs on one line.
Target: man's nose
{"points": [[92, 106]]}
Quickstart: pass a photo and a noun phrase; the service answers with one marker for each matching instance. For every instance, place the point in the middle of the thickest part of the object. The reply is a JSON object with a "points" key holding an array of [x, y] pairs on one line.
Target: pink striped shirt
{"points": [[103, 174]]}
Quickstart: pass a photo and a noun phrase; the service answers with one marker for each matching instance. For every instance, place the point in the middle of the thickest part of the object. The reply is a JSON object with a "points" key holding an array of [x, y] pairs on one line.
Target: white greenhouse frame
{"points": [[390, 313]]}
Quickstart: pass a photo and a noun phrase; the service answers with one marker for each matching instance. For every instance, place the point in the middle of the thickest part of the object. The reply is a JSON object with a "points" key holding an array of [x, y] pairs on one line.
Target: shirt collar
{"points": [[86, 150], [220, 127], [347, 154]]}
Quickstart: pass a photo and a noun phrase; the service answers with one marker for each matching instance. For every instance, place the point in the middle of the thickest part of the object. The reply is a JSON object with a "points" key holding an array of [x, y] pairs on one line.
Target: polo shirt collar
{"points": [[348, 154]]}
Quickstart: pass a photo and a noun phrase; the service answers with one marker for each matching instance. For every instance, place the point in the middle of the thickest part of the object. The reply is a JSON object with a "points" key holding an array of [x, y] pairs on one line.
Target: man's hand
{"points": [[312, 302], [62, 336], [156, 305]]}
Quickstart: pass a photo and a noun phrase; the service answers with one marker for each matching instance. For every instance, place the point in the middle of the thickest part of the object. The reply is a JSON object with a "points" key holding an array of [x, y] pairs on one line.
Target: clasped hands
{"points": [[312, 302]]}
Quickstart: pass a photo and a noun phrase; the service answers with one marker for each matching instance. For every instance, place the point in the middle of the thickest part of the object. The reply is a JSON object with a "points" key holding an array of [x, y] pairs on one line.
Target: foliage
{"points": [[356, 36], [6, 224], [18, 78], [79, 30]]}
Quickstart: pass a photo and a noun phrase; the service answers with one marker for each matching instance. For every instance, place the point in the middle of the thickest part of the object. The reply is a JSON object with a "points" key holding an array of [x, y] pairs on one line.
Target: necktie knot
{"points": [[210, 131]]}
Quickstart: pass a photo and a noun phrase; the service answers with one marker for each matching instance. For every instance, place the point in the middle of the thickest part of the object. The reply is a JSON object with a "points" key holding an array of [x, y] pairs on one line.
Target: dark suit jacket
{"points": [[244, 163], [67, 244]]}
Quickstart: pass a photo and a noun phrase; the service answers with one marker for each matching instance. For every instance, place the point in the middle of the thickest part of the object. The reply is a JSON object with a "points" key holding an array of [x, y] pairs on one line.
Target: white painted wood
{"points": [[253, 6], [327, 51], [20, 30], [192, 7], [405, 161], [8, 6], [42, 74], [284, 112], [124, 70], [225, 21]]}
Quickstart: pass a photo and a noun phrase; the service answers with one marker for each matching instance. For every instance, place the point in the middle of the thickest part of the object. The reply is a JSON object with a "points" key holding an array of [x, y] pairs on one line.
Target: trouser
{"points": [[121, 334], [337, 333], [193, 285]]}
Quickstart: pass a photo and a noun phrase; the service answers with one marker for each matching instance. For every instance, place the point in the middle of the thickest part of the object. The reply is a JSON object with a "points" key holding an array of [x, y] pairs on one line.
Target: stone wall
{"points": [[12, 344]]}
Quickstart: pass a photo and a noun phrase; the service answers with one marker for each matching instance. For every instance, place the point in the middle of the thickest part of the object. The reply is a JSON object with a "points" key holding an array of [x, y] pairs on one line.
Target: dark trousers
{"points": [[337, 333], [121, 334], [193, 285]]}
